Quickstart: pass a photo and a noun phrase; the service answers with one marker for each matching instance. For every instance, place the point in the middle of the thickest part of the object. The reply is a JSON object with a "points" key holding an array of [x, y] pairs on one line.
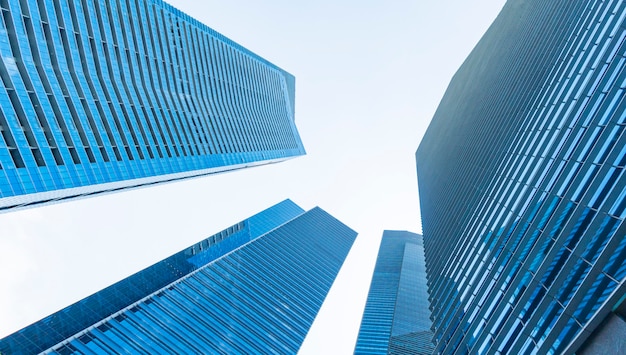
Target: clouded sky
{"points": [[369, 75]]}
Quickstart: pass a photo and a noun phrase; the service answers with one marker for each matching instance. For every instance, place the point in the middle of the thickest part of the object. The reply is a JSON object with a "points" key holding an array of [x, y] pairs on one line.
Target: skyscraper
{"points": [[253, 288], [522, 185], [98, 96], [396, 317]]}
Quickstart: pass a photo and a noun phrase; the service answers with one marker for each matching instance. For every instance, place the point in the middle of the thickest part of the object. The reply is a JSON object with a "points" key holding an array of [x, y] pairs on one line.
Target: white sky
{"points": [[369, 75]]}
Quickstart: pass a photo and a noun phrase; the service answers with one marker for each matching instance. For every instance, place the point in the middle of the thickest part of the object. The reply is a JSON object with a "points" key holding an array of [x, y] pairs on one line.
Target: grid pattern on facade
{"points": [[95, 92], [396, 317], [254, 295], [412, 343], [522, 185]]}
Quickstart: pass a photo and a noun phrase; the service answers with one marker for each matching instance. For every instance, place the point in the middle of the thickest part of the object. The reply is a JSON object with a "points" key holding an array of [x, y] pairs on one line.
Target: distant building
{"points": [[396, 317], [100, 96], [522, 186], [253, 288]]}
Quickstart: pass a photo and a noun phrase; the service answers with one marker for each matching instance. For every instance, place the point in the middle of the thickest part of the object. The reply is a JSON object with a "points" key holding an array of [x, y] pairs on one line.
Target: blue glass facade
{"points": [[522, 184], [97, 96], [253, 288], [396, 317]]}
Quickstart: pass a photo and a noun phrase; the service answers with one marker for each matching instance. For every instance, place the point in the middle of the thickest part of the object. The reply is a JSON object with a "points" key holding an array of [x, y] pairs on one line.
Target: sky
{"points": [[369, 76]]}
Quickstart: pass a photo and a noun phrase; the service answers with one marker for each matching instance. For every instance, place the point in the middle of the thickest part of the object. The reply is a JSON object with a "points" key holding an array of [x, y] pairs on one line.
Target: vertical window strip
{"points": [[130, 85], [242, 95], [137, 35], [34, 84], [206, 90], [217, 94], [14, 78], [193, 74], [263, 103], [232, 117], [104, 71], [261, 98], [86, 87], [256, 104], [7, 133], [111, 47], [277, 114], [53, 82], [152, 60], [221, 90], [134, 89], [280, 113], [123, 80], [163, 65], [283, 103], [10, 136], [98, 86], [183, 85], [180, 80], [251, 117], [172, 38], [209, 92], [81, 101], [236, 98]]}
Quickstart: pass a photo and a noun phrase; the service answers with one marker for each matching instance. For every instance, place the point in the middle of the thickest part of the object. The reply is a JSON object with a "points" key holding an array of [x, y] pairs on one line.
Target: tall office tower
{"points": [[396, 317], [522, 185], [98, 96], [253, 288]]}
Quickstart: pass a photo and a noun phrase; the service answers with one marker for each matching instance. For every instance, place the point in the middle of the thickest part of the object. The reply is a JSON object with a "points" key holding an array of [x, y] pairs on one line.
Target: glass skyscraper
{"points": [[253, 288], [522, 185], [396, 317], [98, 96]]}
